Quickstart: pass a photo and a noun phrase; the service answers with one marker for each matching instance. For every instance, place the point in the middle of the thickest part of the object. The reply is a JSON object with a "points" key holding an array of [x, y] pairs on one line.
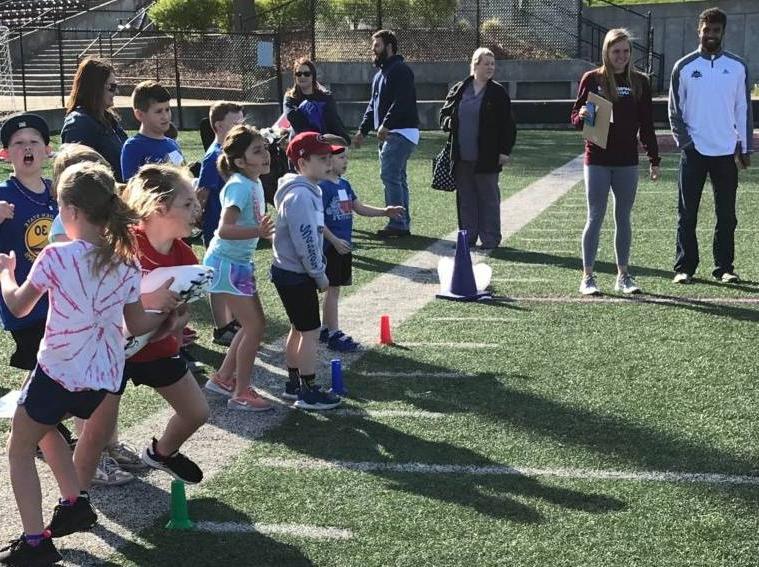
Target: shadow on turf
{"points": [[507, 401], [187, 548]]}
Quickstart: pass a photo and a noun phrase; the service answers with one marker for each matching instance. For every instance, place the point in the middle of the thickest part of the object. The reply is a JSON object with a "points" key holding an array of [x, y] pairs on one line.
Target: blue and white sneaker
{"points": [[341, 342], [313, 398]]}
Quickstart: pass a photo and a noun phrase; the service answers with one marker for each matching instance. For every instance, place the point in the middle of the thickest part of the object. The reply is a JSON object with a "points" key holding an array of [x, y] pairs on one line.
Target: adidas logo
{"points": [[725, 72], [696, 74]]}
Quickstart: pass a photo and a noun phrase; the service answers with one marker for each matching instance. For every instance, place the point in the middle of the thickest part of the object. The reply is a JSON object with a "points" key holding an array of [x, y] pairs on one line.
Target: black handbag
{"points": [[442, 170]]}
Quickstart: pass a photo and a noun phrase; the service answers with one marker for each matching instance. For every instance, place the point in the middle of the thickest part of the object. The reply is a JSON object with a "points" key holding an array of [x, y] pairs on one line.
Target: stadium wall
{"points": [[675, 27]]}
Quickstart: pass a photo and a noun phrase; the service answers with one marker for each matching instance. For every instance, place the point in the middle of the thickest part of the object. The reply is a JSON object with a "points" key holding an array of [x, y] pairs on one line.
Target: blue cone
{"points": [[337, 378], [462, 282]]}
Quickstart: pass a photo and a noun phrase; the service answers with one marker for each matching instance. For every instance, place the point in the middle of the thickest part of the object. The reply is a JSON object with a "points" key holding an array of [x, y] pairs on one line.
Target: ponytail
{"points": [[90, 187]]}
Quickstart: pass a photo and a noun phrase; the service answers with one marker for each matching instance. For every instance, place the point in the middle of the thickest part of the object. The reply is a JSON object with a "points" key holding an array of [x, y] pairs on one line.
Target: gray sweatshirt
{"points": [[298, 237]]}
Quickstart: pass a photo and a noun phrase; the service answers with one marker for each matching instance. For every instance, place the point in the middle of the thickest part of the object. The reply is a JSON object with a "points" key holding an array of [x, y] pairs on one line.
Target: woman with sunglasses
{"points": [[309, 106], [90, 117]]}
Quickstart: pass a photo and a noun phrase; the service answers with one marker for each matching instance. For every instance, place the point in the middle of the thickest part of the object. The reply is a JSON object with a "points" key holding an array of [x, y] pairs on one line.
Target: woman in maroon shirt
{"points": [[615, 167]]}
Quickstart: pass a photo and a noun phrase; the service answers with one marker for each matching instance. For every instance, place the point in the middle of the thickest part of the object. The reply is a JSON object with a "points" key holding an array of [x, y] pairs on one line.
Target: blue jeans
{"points": [[394, 154]]}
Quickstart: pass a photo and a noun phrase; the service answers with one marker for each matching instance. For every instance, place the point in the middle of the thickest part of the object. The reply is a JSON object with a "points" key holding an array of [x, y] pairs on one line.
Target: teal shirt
{"points": [[248, 196]]}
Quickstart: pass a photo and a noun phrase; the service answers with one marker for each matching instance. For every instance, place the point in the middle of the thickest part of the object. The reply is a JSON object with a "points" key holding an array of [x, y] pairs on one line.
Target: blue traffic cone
{"points": [[337, 378], [463, 284]]}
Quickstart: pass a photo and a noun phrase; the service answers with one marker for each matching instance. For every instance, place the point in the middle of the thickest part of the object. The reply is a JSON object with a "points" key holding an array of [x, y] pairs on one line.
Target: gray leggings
{"points": [[623, 182]]}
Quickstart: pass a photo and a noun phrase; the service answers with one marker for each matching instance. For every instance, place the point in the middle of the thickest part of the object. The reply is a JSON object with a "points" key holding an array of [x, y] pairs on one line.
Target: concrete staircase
{"points": [[42, 71]]}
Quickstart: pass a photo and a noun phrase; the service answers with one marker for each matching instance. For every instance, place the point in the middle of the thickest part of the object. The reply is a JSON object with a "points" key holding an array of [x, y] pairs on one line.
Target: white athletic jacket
{"points": [[710, 103]]}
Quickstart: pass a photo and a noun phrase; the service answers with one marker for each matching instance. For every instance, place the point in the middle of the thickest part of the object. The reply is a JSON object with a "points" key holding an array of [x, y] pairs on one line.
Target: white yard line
{"points": [[404, 290], [520, 280], [297, 530], [414, 414], [417, 374], [463, 346], [500, 470], [642, 299], [476, 319]]}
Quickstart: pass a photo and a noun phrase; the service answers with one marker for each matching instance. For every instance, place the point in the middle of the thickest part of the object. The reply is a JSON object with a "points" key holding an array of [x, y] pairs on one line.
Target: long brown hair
{"points": [[88, 88], [633, 77], [90, 187], [238, 140], [295, 91]]}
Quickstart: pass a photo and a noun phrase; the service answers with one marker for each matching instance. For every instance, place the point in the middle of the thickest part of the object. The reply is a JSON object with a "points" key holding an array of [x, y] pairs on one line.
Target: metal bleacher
{"points": [[16, 14]]}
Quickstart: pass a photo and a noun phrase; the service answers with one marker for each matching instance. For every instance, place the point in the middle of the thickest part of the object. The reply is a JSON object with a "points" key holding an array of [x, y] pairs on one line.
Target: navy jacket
{"points": [[78, 126], [396, 105], [321, 108]]}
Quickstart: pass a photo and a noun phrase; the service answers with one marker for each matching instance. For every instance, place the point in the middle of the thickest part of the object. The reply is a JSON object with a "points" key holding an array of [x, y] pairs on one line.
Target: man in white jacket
{"points": [[710, 116]]}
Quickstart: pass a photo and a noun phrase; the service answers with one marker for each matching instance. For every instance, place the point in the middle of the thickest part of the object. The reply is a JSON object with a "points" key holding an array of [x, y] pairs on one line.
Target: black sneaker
{"points": [[292, 390], [20, 553], [224, 335], [390, 232], [176, 464], [79, 517]]}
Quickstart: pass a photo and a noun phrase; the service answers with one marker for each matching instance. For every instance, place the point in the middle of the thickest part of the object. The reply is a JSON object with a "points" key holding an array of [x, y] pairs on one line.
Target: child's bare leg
{"points": [[307, 352], [94, 437], [331, 298], [26, 434], [191, 409], [227, 369], [220, 311], [250, 314], [59, 458], [291, 348]]}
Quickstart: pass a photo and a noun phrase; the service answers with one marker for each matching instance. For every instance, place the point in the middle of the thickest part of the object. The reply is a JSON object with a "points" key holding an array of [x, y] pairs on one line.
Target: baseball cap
{"points": [[21, 121], [307, 144]]}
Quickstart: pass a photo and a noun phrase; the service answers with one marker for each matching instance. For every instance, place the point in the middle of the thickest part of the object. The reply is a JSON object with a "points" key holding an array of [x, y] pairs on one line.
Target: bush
{"points": [[187, 15]]}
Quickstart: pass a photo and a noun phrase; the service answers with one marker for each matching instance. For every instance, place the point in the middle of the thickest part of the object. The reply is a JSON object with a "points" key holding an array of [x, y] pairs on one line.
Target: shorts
{"points": [[155, 373], [231, 277], [27, 342], [339, 267], [47, 402], [301, 303]]}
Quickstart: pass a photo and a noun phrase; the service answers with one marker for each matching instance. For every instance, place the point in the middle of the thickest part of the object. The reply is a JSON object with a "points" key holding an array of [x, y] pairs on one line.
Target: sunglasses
{"points": [[113, 87], [303, 73]]}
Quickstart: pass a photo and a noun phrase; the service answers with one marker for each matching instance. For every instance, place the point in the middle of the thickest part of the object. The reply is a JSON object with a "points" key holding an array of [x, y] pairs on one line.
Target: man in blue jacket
{"points": [[710, 115], [392, 113]]}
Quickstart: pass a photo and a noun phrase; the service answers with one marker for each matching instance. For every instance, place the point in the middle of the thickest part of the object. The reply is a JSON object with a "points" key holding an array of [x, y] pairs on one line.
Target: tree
{"points": [[190, 15]]}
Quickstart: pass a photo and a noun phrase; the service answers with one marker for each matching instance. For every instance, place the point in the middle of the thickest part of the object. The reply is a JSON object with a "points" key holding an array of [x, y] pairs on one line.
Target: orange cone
{"points": [[386, 337]]}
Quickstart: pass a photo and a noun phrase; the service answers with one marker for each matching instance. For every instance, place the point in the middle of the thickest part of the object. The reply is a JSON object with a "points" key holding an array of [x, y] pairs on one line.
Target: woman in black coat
{"points": [[308, 106], [477, 113]]}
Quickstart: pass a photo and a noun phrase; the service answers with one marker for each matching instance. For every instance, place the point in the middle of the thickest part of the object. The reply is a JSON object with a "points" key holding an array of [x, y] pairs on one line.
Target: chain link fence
{"points": [[195, 67]]}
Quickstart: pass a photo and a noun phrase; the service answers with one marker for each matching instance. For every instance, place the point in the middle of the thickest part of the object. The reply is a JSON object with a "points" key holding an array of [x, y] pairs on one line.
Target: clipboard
{"points": [[598, 131]]}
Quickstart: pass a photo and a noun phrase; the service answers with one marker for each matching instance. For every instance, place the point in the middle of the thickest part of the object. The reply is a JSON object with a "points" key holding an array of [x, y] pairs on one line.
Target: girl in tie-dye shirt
{"points": [[93, 285]]}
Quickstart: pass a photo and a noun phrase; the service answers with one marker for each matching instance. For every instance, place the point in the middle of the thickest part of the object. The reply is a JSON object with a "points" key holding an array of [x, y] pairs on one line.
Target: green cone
{"points": [[180, 519]]}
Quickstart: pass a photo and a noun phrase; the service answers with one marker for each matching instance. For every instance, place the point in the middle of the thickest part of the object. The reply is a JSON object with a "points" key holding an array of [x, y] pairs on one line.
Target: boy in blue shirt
{"points": [[340, 202], [27, 210], [150, 101], [222, 116]]}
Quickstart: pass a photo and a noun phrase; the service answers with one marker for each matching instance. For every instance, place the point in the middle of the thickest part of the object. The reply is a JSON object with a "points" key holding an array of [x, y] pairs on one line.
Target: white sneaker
{"points": [[626, 284], [588, 285], [109, 473], [682, 278], [730, 277]]}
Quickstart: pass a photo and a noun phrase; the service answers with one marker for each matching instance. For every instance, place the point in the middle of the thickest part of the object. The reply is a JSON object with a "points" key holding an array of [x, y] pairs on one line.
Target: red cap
{"points": [[307, 144]]}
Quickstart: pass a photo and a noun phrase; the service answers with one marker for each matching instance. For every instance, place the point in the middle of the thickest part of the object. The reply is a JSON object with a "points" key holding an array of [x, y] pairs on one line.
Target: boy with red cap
{"points": [[298, 268]]}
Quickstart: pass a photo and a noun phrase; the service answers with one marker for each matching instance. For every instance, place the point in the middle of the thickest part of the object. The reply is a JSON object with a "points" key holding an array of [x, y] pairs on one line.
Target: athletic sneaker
{"points": [[109, 473], [682, 278], [324, 335], [292, 390], [125, 456], [588, 285], [19, 552], [78, 517], [249, 401], [341, 342], [218, 386], [730, 277], [224, 335], [176, 464], [313, 398], [626, 284]]}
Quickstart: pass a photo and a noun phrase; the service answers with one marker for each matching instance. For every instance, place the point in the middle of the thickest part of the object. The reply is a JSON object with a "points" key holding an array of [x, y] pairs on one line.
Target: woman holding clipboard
{"points": [[615, 167]]}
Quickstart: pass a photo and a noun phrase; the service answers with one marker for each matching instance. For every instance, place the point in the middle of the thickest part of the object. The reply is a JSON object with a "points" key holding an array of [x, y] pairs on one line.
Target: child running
{"points": [[298, 269], [243, 160], [340, 201], [163, 198], [93, 287]]}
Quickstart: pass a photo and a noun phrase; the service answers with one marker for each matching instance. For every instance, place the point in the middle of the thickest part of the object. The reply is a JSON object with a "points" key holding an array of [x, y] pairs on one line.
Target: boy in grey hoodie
{"points": [[298, 266]]}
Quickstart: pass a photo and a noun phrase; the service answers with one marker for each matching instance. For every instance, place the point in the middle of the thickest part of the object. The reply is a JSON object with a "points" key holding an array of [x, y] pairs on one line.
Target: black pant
{"points": [[723, 173]]}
